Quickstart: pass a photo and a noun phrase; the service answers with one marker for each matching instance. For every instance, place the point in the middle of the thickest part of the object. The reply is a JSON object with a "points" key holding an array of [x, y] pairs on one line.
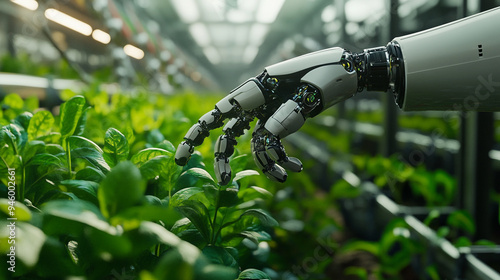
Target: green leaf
{"points": [[132, 216], [23, 120], [116, 147], [461, 219], [342, 189], [86, 190], [40, 125], [76, 142], [245, 173], [20, 211], [71, 111], [31, 149], [14, 136], [434, 214], [154, 167], [252, 274], [198, 214], [145, 155], [359, 245], [28, 242], [46, 159], [253, 236], [199, 173], [228, 197], [82, 122], [183, 195], [166, 145], [90, 173], [263, 217], [92, 156], [148, 234], [71, 216], [219, 255], [13, 101], [360, 272], [122, 188]]}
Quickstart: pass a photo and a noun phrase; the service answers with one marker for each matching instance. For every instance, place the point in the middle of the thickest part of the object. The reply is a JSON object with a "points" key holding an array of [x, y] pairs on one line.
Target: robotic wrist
{"points": [[380, 69]]}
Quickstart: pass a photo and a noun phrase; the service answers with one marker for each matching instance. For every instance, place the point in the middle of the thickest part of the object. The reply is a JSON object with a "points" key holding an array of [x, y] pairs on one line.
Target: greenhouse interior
{"points": [[250, 139]]}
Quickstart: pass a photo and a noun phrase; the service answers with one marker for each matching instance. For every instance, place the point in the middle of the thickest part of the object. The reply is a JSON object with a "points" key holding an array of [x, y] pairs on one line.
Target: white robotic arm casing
{"points": [[455, 66], [322, 69]]}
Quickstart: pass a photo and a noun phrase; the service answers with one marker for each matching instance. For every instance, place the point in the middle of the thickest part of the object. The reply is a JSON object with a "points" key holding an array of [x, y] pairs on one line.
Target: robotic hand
{"points": [[450, 67], [282, 98]]}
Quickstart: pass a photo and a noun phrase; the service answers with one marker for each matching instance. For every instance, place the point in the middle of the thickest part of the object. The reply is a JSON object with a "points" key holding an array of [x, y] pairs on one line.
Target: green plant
{"points": [[394, 251], [121, 207]]}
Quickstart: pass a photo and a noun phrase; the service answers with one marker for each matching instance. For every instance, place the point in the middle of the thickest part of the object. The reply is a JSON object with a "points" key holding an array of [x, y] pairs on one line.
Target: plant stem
{"points": [[23, 183], [68, 156], [214, 235]]}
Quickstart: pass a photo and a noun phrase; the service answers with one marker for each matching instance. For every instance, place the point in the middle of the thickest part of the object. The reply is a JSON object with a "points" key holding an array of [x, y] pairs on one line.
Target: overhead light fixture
{"points": [[101, 36], [68, 21], [187, 10], [199, 31], [250, 54], [28, 4], [328, 13], [268, 10], [212, 54], [360, 10], [258, 32], [133, 51]]}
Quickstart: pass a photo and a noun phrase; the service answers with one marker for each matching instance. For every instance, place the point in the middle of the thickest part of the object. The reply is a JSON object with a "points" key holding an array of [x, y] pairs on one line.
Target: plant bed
{"points": [[368, 213]]}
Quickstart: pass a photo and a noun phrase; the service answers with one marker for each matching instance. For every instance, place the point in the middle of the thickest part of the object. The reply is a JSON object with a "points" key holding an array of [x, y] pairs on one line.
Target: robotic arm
{"points": [[450, 67]]}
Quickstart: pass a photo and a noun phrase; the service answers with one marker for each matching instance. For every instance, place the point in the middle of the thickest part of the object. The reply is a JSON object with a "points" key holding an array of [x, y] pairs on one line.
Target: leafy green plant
{"points": [[458, 227], [394, 251], [100, 210]]}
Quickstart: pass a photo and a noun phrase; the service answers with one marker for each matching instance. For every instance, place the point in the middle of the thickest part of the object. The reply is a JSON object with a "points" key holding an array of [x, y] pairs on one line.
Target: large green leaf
{"points": [[23, 120], [71, 111], [70, 217], [28, 242], [86, 190], [263, 217], [122, 188], [185, 262], [132, 216], [13, 101], [461, 219], [47, 160], [16, 210], [198, 214], [40, 124], [31, 149], [93, 156], [199, 173], [90, 173], [245, 173], [154, 167], [228, 197], [145, 155], [77, 141], [14, 136], [116, 147], [183, 195], [219, 255]]}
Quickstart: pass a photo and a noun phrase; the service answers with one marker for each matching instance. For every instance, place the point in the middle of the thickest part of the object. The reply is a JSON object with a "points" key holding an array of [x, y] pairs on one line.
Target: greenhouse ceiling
{"points": [[226, 41]]}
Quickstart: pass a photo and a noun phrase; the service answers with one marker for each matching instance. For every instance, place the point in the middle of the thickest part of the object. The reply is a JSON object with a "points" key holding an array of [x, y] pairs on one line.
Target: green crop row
{"points": [[118, 205]]}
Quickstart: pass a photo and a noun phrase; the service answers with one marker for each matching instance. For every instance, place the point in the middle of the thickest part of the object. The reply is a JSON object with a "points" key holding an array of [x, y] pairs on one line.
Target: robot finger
{"points": [[276, 152], [224, 147], [197, 134], [239, 102], [268, 166]]}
